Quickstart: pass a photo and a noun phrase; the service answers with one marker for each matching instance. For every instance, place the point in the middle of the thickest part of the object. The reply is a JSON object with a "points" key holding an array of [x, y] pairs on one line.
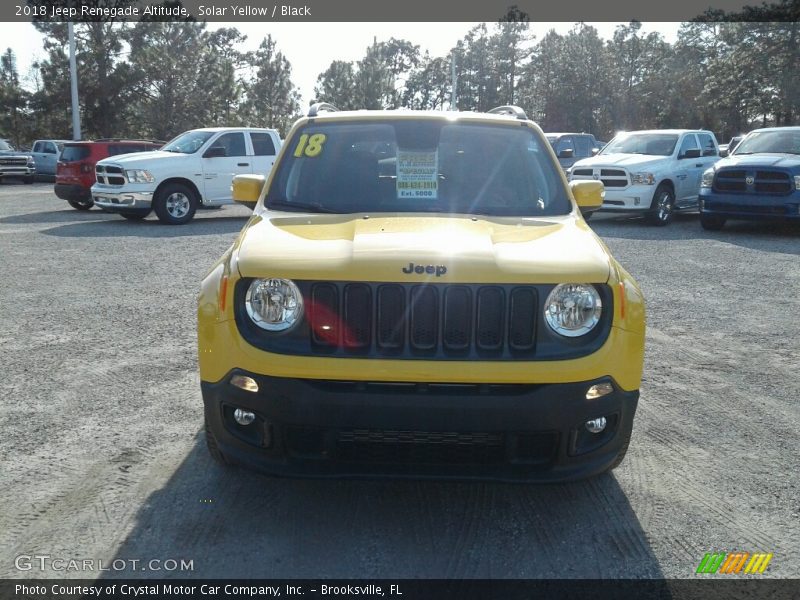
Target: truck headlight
{"points": [[274, 304], [573, 309], [708, 179], [32, 163], [645, 178], [139, 176], [797, 182]]}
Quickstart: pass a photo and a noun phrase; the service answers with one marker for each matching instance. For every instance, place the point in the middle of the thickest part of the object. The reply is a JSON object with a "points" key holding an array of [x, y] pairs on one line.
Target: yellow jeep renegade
{"points": [[418, 294]]}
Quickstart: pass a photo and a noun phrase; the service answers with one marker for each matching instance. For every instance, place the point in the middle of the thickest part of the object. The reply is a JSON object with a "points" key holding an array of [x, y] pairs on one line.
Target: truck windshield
{"points": [[770, 142], [189, 142], [420, 165], [656, 144]]}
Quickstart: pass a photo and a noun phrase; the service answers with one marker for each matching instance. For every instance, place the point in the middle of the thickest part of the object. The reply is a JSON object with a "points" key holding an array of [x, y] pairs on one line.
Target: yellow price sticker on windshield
{"points": [[310, 146]]}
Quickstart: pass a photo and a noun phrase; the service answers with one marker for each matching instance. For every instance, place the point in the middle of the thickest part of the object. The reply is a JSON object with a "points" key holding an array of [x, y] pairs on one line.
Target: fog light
{"points": [[595, 425], [243, 382], [599, 390], [245, 417], [636, 201]]}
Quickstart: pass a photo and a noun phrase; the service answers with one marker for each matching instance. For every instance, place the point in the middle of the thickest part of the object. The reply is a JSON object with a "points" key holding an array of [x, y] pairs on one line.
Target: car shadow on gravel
{"points": [[757, 235], [233, 523], [116, 226], [56, 216]]}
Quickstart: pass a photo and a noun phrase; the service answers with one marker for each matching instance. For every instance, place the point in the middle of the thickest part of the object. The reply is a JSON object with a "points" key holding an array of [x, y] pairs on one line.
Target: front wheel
{"points": [[81, 204], [175, 204], [663, 206], [712, 222]]}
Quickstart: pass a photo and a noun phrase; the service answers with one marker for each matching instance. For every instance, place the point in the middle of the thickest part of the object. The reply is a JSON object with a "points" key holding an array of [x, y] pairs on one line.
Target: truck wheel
{"points": [[712, 222], [175, 204], [81, 204], [663, 206], [211, 443]]}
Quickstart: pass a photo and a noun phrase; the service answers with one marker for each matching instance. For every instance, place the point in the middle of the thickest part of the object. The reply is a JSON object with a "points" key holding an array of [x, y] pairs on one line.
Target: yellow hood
{"points": [[382, 248]]}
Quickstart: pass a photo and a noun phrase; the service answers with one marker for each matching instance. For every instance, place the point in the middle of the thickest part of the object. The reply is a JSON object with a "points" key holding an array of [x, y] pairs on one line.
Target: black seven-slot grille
{"points": [[423, 321]]}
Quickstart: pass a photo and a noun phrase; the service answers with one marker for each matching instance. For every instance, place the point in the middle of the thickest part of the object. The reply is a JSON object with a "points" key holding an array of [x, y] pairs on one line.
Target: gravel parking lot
{"points": [[102, 456]]}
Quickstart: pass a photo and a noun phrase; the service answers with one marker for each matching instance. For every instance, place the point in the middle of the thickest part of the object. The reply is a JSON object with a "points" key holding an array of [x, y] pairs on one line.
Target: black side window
{"points": [[564, 143], [233, 144], [688, 143], [262, 144], [707, 144]]}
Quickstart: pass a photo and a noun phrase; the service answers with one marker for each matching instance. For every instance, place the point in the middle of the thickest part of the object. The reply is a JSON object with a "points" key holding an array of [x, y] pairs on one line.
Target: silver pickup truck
{"points": [[15, 164]]}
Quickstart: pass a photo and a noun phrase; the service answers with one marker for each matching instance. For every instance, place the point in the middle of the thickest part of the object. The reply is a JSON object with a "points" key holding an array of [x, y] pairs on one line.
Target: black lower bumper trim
{"points": [[361, 429]]}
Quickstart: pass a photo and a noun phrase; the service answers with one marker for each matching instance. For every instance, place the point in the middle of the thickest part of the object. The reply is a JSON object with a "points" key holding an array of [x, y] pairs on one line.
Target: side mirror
{"points": [[567, 153], [595, 151], [246, 189], [215, 152], [588, 195], [723, 153], [693, 153]]}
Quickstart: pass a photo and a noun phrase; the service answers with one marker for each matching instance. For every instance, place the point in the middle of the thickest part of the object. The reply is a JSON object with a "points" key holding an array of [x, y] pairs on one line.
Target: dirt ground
{"points": [[102, 457]]}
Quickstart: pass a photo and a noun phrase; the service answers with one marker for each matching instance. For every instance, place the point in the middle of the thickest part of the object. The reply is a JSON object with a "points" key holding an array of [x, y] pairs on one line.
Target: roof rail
{"points": [[514, 111], [321, 107]]}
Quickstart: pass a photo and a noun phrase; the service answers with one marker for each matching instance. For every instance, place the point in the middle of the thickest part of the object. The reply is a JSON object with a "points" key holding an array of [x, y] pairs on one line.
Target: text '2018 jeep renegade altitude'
{"points": [[417, 294]]}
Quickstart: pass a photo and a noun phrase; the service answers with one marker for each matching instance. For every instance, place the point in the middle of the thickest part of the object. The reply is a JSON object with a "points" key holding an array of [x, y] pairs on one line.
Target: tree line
{"points": [[156, 79]]}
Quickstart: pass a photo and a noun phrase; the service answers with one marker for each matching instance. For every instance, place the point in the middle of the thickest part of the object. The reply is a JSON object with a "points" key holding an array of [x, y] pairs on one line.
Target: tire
{"points": [[211, 444], [28, 180], [81, 204], [134, 216], [712, 222], [175, 204], [662, 207]]}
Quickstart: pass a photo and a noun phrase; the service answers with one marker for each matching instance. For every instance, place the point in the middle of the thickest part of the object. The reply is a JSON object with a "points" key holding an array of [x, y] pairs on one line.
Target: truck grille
{"points": [[110, 175], [753, 181], [422, 319], [611, 178], [13, 161]]}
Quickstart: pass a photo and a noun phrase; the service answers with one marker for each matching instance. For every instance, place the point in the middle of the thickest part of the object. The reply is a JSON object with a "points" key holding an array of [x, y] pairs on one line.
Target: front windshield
{"points": [[189, 142], [420, 165], [770, 142], [655, 144], [5, 146]]}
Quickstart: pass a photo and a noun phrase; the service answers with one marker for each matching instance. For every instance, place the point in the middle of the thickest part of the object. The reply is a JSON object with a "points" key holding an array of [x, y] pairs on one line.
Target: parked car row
{"points": [[657, 173]]}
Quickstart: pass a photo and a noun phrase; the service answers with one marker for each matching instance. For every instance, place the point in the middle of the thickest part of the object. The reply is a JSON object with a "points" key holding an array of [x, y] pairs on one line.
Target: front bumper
{"points": [[749, 206], [119, 200], [634, 198], [322, 428], [14, 171]]}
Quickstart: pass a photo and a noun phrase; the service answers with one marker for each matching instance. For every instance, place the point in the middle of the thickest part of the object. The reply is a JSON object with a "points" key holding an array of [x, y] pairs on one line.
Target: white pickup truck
{"points": [[654, 172], [193, 170]]}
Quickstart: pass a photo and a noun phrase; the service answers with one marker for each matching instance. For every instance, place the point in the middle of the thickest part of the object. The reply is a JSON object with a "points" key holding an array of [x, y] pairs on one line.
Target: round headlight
{"points": [[573, 309], [274, 304]]}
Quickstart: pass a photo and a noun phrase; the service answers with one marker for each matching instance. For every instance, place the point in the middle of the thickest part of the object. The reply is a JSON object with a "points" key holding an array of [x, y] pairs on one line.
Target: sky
{"points": [[348, 41]]}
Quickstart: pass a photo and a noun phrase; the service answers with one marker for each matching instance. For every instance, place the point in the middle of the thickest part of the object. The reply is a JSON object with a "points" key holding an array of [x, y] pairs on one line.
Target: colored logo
{"points": [[734, 562]]}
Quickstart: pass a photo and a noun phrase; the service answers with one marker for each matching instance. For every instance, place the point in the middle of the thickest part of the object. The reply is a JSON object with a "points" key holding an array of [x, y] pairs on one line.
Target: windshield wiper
{"points": [[300, 206]]}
